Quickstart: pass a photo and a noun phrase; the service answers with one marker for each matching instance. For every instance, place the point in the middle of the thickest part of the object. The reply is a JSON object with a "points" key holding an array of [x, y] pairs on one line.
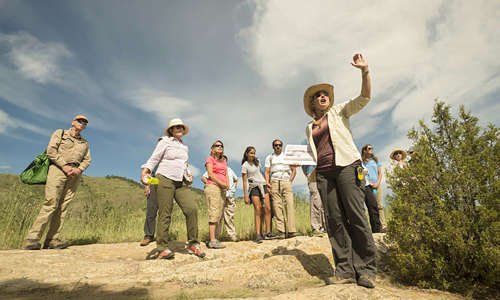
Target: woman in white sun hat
{"points": [[171, 159], [341, 190]]}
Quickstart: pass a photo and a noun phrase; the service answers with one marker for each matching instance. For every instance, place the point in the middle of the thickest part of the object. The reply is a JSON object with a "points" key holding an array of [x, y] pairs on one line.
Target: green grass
{"points": [[111, 209]]}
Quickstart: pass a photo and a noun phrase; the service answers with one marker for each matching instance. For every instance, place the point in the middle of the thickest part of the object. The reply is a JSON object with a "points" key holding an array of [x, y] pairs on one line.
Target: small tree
{"points": [[445, 228]]}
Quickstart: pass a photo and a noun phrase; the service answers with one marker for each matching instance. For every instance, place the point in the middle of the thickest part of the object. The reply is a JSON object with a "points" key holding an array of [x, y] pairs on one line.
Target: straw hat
{"points": [[313, 90], [175, 122], [81, 117], [393, 153]]}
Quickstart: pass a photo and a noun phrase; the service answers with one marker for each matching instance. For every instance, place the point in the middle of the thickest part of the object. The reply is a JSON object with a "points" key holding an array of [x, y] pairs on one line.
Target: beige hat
{"points": [[393, 153], [175, 122], [81, 117], [313, 90]]}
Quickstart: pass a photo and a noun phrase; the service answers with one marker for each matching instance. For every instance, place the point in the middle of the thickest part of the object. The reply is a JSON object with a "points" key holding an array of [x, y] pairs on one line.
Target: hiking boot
{"points": [[340, 280], [166, 254], [195, 249], [146, 241], [234, 238], [269, 236], [293, 234], [281, 235], [364, 280], [32, 245], [259, 239], [55, 244], [215, 244]]}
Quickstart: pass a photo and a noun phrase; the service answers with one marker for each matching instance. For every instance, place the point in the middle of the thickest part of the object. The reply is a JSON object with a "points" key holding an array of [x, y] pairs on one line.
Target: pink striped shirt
{"points": [[171, 157]]}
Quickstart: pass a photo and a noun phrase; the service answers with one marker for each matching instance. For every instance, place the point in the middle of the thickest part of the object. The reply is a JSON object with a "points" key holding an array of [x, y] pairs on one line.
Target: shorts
{"points": [[256, 192]]}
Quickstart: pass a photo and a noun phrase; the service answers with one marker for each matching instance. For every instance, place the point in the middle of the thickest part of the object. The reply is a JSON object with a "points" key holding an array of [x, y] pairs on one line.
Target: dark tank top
{"points": [[324, 146]]}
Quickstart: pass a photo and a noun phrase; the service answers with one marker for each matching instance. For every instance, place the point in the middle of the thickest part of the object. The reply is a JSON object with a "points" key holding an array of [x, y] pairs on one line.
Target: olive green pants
{"points": [[59, 191], [169, 189]]}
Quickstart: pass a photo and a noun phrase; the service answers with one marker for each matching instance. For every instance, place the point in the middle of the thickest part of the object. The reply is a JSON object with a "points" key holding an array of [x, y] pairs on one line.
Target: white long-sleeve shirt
{"points": [[171, 157]]}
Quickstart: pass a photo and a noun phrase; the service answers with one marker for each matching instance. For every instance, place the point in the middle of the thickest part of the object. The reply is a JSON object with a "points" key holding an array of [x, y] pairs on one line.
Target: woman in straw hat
{"points": [[338, 162], [398, 155], [170, 157]]}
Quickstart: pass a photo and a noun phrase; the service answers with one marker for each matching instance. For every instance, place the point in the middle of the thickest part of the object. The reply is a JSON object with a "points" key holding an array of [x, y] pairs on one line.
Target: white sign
{"points": [[299, 155]]}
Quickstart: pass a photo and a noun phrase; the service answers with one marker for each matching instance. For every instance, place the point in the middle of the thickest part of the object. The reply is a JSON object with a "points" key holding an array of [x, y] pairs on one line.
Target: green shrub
{"points": [[445, 228]]}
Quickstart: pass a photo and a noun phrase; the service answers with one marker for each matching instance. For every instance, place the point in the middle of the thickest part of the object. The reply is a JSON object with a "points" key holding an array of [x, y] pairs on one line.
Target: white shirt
{"points": [[171, 158], [277, 169]]}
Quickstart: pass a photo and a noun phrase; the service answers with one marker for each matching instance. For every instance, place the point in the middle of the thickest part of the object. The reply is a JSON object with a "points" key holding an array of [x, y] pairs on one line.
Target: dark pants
{"points": [[371, 204], [151, 210], [167, 190], [352, 242]]}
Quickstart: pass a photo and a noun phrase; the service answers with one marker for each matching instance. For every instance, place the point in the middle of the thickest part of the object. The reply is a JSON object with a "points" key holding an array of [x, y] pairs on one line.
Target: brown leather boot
{"points": [[32, 245], [55, 244], [146, 241]]}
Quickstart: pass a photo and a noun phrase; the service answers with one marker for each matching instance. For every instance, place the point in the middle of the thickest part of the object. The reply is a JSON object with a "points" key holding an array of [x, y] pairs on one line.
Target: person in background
{"points": [[374, 167], [398, 155], [170, 159], [151, 211], [316, 207], [279, 177], [371, 204], [229, 205], [69, 153], [257, 192], [215, 190], [337, 162]]}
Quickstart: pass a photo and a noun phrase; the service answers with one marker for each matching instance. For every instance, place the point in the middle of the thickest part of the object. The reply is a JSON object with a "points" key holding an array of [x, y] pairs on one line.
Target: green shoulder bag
{"points": [[36, 172]]}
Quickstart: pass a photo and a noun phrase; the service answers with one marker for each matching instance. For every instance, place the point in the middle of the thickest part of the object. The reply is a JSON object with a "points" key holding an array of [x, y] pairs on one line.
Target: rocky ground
{"points": [[281, 269]]}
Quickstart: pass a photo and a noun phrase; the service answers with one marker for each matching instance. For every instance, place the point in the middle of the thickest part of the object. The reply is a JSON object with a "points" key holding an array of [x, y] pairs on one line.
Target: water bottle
{"points": [[374, 191], [151, 180]]}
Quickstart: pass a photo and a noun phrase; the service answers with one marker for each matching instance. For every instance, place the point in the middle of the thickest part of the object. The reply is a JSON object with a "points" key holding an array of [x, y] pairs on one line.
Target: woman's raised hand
{"points": [[359, 62]]}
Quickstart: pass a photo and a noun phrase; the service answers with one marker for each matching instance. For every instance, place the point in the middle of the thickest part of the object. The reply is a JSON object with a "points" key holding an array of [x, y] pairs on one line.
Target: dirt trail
{"points": [[281, 269]]}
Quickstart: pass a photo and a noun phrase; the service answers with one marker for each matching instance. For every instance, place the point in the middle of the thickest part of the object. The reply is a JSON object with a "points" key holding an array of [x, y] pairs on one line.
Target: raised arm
{"points": [[360, 63]]}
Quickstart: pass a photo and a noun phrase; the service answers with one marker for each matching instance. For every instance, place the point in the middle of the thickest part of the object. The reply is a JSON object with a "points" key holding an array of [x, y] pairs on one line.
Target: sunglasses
{"points": [[178, 127], [398, 152], [217, 145], [277, 145], [82, 121], [319, 94], [369, 148]]}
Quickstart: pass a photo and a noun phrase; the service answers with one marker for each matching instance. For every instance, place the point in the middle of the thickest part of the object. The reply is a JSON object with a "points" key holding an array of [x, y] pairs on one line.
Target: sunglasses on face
{"points": [[217, 146], [319, 94], [396, 153], [369, 148], [277, 145], [82, 121], [178, 127]]}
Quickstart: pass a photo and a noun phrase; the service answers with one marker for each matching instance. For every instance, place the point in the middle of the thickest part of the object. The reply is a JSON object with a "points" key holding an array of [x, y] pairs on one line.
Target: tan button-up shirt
{"points": [[68, 149], [340, 132]]}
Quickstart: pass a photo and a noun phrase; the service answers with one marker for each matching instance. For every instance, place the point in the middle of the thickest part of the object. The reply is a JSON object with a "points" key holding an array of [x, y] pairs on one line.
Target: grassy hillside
{"points": [[108, 209]]}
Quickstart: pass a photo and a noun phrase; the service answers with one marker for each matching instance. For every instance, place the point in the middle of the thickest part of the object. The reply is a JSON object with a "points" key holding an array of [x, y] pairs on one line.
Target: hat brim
{"points": [[398, 150], [313, 90], [186, 129]]}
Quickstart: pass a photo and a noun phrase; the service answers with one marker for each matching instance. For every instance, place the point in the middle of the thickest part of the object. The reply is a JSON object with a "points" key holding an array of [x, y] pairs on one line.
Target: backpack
{"points": [[36, 172]]}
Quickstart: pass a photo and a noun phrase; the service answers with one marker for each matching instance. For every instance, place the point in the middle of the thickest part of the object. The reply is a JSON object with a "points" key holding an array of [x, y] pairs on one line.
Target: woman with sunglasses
{"points": [[170, 159], [337, 162], [374, 177], [257, 192], [215, 190]]}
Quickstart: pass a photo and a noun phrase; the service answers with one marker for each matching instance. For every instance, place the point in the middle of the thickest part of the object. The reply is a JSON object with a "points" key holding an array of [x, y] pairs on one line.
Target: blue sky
{"points": [[234, 71]]}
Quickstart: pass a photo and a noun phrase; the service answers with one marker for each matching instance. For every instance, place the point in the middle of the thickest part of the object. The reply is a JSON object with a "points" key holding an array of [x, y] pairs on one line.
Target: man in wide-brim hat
{"points": [[341, 191]]}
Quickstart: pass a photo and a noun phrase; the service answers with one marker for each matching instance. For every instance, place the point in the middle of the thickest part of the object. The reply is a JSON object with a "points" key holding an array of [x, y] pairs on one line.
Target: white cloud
{"points": [[4, 166], [416, 52], [7, 122], [194, 170]]}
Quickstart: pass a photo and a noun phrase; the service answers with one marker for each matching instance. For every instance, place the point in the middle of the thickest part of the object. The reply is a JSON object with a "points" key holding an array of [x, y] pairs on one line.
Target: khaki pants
{"points": [[379, 196], [281, 192], [165, 193], [228, 218], [215, 202], [59, 191], [316, 207]]}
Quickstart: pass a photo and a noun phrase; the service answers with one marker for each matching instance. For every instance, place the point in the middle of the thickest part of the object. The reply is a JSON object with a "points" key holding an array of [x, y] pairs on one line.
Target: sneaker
{"points": [[318, 233], [234, 238], [269, 236], [32, 245], [259, 239], [166, 254], [55, 244], [340, 280], [293, 234], [281, 236], [215, 244], [195, 249], [364, 280], [146, 241]]}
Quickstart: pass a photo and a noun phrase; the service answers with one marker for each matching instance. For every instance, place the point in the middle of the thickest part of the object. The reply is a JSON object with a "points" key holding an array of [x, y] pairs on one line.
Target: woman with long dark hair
{"points": [[257, 191], [374, 168], [341, 191]]}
